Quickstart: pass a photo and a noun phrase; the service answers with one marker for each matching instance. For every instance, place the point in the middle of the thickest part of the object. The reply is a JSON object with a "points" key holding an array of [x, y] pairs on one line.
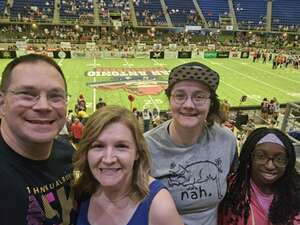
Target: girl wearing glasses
{"points": [[265, 189], [192, 155]]}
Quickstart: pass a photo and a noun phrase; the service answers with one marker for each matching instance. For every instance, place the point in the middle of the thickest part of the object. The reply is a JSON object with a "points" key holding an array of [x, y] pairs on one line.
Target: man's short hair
{"points": [[30, 58]]}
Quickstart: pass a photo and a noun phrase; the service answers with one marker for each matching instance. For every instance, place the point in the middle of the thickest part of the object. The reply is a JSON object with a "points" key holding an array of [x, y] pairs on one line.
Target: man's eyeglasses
{"points": [[198, 98], [278, 160], [30, 97]]}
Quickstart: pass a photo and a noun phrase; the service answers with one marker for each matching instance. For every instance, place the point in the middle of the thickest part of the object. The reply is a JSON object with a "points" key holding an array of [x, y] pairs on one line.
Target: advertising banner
{"points": [[157, 55], [62, 54], [7, 54], [244, 55], [210, 54], [184, 55], [235, 54], [223, 54]]}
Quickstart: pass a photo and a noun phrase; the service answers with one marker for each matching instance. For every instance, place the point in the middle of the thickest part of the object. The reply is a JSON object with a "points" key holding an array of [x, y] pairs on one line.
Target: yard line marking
{"points": [[94, 64], [258, 81], [154, 103], [241, 91], [126, 63], [60, 62], [94, 80], [285, 78], [157, 63], [214, 63], [183, 61]]}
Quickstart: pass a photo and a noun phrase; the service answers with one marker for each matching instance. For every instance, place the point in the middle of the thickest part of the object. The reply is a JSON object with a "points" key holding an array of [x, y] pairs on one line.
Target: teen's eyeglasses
{"points": [[198, 98], [279, 161]]}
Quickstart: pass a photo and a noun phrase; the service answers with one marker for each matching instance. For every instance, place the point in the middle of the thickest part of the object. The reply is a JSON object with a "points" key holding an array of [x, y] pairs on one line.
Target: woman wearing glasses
{"points": [[266, 187], [192, 155]]}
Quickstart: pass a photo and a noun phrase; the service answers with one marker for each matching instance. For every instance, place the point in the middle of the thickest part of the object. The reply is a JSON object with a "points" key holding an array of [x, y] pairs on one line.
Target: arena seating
{"points": [[35, 10], [149, 12], [212, 10], [77, 9], [2, 5], [120, 7], [286, 13], [250, 14], [182, 12]]}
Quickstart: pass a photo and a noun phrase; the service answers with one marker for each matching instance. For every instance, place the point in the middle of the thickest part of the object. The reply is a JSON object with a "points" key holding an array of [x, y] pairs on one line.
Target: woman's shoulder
{"points": [[163, 209]]}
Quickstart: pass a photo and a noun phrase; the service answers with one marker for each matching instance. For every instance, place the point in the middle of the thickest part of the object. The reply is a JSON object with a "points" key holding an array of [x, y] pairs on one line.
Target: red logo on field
{"points": [[138, 81]]}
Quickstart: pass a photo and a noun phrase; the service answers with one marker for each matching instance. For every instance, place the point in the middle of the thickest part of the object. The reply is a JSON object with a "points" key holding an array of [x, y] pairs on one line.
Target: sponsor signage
{"points": [[229, 27], [210, 54], [235, 54], [193, 28], [62, 54], [79, 54], [223, 55], [184, 55], [244, 55], [65, 45], [157, 55], [173, 47], [8, 54]]}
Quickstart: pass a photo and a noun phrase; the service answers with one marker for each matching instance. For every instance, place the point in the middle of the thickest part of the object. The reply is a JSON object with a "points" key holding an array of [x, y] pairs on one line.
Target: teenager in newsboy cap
{"points": [[191, 153]]}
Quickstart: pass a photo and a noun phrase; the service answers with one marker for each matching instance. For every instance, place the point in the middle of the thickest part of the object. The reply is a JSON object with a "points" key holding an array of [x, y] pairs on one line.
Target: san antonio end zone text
{"points": [[107, 71]]}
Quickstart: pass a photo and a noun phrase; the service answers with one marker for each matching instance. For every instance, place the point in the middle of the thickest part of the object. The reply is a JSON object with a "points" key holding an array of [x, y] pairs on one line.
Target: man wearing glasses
{"points": [[35, 169]]}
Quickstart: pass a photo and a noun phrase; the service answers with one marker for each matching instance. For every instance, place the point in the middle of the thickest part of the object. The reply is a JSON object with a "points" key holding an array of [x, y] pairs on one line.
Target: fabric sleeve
{"points": [[13, 201]]}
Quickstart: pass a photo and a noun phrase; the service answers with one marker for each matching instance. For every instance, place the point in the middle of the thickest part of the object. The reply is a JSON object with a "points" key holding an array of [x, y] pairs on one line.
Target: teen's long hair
{"points": [[286, 202]]}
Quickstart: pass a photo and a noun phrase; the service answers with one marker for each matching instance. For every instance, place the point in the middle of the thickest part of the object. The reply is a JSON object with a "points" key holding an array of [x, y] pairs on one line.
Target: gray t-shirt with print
{"points": [[196, 174]]}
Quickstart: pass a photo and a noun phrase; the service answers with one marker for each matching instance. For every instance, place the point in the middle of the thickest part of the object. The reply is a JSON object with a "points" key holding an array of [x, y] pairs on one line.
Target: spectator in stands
{"points": [[33, 110], [81, 104], [225, 108], [276, 109], [274, 63], [271, 109], [192, 155], [264, 109], [76, 131], [266, 187], [83, 116], [100, 104], [70, 119], [146, 119], [114, 163]]}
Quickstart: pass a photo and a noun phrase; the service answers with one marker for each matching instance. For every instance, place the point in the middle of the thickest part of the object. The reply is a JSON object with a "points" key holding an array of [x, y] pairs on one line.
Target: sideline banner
{"points": [[78, 54], [170, 54], [111, 54], [8, 54], [223, 54], [210, 54], [62, 54], [157, 55], [244, 55], [142, 55], [184, 55], [235, 54]]}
